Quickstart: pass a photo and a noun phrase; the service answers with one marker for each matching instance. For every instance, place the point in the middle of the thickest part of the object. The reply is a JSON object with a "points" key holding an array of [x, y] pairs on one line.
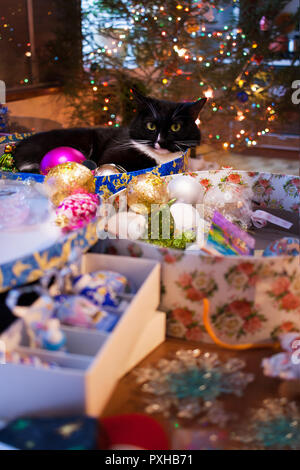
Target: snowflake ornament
{"points": [[189, 385], [274, 426]]}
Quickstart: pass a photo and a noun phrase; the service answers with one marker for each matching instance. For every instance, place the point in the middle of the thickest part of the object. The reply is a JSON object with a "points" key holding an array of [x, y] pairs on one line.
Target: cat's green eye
{"points": [[175, 127], [151, 126]]}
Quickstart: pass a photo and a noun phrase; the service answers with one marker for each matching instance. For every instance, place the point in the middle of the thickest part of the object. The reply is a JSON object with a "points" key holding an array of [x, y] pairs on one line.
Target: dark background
{"points": [[52, 19]]}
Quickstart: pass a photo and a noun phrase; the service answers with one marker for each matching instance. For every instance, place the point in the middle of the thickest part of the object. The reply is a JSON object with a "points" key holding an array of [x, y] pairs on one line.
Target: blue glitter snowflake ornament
{"points": [[189, 385], [276, 425]]}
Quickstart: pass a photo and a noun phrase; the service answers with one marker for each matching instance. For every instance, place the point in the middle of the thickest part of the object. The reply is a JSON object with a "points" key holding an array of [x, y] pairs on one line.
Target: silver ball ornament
{"points": [[186, 189], [109, 169]]}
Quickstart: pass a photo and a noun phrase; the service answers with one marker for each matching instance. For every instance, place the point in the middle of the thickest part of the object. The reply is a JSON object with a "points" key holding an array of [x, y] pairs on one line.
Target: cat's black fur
{"points": [[134, 148]]}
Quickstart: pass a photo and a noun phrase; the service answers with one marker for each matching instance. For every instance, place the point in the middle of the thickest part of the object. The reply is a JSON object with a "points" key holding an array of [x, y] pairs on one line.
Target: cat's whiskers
{"points": [[128, 145], [123, 146], [145, 142], [120, 142], [186, 142], [177, 145]]}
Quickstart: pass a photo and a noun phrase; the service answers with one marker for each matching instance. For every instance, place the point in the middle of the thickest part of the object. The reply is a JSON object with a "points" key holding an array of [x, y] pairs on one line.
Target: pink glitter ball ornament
{"points": [[58, 156], [76, 211]]}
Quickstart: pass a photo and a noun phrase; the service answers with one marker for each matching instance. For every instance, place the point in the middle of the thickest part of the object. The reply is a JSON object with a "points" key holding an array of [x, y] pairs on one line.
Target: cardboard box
{"points": [[95, 360]]}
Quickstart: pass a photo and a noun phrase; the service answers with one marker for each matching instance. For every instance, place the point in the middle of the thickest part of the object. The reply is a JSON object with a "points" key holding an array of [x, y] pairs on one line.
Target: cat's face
{"points": [[163, 128]]}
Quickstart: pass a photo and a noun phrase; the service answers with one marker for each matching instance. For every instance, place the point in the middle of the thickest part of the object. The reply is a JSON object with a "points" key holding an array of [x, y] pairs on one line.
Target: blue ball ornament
{"points": [[242, 96]]}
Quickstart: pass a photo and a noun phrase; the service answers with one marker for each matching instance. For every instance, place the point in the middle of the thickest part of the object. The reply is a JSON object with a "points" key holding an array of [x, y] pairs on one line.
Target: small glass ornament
{"points": [[49, 335], [14, 211], [109, 169], [21, 204], [230, 200]]}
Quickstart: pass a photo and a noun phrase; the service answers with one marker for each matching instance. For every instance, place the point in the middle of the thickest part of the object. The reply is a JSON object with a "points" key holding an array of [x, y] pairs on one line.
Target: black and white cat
{"points": [[160, 132]]}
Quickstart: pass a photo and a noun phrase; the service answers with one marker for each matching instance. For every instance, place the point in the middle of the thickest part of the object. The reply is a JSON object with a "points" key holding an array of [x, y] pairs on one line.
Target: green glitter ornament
{"points": [[161, 229], [7, 162], [161, 223]]}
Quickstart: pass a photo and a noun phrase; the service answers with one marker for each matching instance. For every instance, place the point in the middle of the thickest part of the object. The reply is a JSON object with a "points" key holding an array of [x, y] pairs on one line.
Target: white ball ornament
{"points": [[127, 225], [186, 189], [186, 217]]}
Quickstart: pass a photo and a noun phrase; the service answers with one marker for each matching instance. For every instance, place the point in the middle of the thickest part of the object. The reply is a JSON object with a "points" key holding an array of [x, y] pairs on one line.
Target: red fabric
{"points": [[135, 429]]}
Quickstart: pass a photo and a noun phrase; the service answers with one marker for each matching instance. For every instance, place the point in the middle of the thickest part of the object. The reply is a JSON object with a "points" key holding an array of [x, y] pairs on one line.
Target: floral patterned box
{"points": [[251, 298]]}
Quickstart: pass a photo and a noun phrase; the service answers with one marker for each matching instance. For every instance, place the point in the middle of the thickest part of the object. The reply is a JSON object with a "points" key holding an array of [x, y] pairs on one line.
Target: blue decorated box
{"points": [[105, 185]]}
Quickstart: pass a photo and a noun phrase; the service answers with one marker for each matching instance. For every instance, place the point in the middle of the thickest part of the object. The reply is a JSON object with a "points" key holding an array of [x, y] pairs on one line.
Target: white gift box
{"points": [[95, 360]]}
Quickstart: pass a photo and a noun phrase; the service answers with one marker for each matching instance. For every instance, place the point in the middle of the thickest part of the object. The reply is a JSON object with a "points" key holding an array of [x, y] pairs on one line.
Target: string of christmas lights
{"points": [[177, 28], [180, 50]]}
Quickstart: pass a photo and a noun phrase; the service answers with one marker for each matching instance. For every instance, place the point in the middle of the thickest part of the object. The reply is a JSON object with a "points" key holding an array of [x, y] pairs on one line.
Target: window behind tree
{"points": [[40, 41]]}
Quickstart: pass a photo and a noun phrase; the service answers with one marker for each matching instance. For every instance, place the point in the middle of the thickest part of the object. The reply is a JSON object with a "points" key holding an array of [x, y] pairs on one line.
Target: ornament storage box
{"points": [[95, 361], [252, 298]]}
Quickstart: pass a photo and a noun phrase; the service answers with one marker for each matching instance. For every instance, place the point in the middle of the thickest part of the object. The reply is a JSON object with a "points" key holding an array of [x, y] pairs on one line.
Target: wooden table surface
{"points": [[128, 398]]}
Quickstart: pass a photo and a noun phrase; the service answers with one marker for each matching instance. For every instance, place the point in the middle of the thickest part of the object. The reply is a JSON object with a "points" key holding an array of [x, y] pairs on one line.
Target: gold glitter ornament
{"points": [[66, 179], [145, 190]]}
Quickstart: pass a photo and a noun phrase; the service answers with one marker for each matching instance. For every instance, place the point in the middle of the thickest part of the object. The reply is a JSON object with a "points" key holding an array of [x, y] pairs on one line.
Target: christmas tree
{"points": [[183, 50]]}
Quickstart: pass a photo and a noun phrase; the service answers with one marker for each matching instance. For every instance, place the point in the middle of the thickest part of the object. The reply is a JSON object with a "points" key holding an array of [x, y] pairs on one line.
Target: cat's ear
{"points": [[195, 107], [139, 97], [145, 102]]}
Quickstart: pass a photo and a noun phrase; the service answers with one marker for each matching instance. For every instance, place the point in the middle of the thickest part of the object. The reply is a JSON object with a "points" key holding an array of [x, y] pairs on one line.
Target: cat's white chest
{"points": [[159, 156]]}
